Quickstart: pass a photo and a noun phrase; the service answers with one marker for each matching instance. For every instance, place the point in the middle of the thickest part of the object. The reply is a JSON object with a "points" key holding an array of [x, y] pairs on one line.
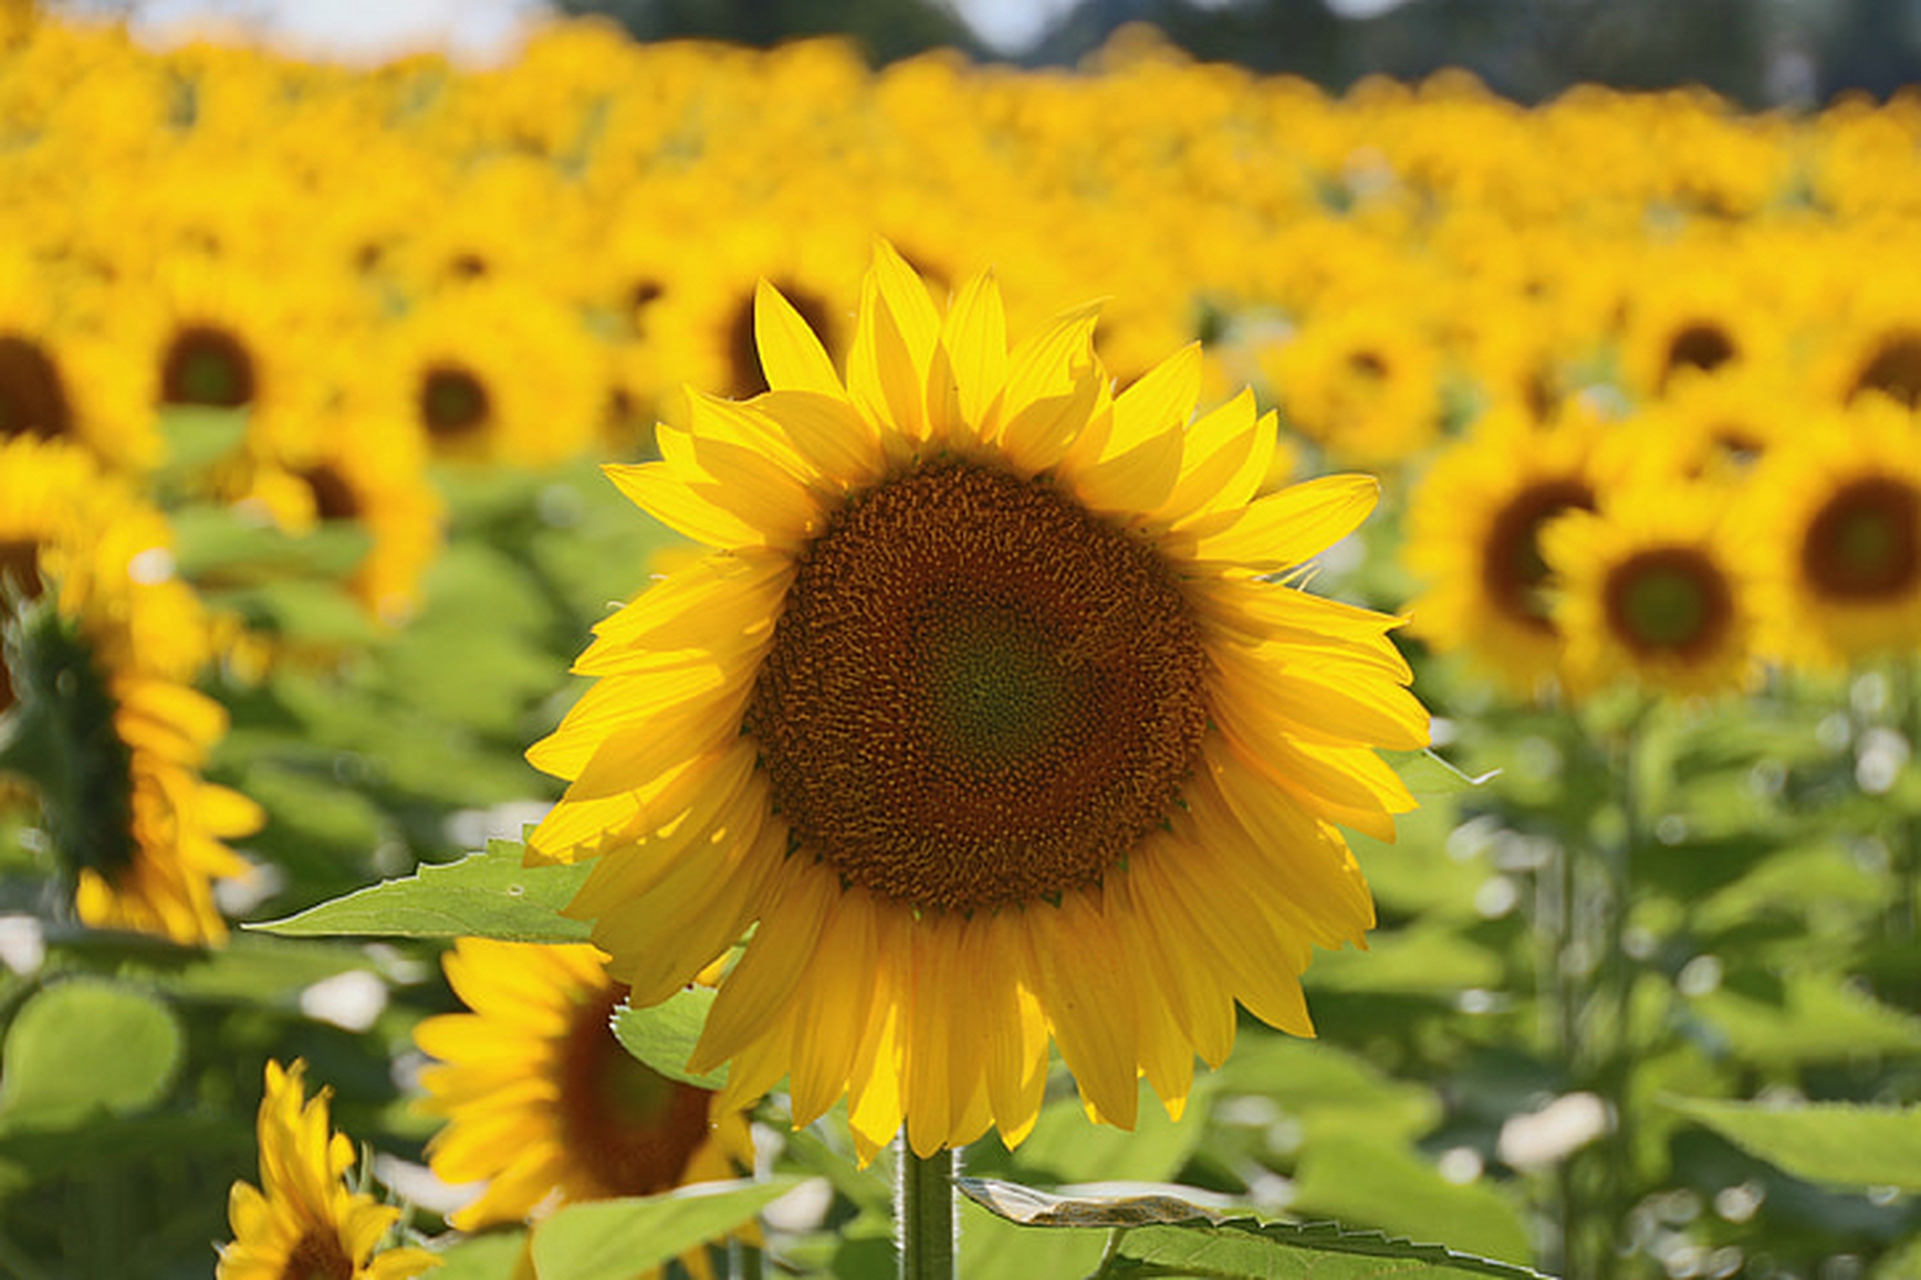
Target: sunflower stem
{"points": [[925, 1204]]}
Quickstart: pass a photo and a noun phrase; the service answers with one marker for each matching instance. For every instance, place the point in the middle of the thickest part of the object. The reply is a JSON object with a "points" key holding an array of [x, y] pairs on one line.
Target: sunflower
{"points": [[541, 1101], [99, 714], [491, 371], [363, 470], [986, 712], [303, 1220], [1474, 539], [1364, 381], [1655, 589], [1838, 511]]}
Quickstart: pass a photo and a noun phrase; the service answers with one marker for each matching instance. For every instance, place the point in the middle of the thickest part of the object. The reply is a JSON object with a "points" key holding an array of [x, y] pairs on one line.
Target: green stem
{"points": [[926, 1213]]}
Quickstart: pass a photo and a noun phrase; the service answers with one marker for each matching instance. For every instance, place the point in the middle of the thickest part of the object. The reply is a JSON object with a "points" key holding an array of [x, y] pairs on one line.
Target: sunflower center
{"points": [[33, 400], [1698, 346], [333, 497], [207, 366], [453, 403], [1894, 370], [1513, 572], [1668, 600], [318, 1255], [631, 1129], [979, 694], [1865, 541]]}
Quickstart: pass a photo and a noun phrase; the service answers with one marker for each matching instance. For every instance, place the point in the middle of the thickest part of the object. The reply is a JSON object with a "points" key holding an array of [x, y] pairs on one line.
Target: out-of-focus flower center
{"points": [[33, 401], [318, 1255], [207, 366], [1668, 600], [632, 1129], [979, 694], [333, 497], [453, 403], [1894, 369], [1862, 543], [1513, 572], [1700, 346]]}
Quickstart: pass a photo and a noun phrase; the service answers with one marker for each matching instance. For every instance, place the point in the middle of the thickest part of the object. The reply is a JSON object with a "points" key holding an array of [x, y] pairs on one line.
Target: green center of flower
{"points": [[998, 689], [33, 400], [979, 694], [1668, 600], [207, 366], [626, 1129], [453, 403], [1514, 574], [1865, 541]]}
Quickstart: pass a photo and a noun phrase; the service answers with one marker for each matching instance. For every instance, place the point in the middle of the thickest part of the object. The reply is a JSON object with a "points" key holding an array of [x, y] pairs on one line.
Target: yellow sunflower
{"points": [[986, 712], [545, 1106], [1655, 589], [302, 1220], [1838, 511], [97, 711], [1474, 539]]}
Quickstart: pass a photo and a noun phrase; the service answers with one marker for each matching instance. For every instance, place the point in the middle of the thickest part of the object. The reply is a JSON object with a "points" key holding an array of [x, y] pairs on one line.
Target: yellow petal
{"points": [[1289, 527], [791, 355], [975, 337], [770, 970], [655, 489], [1084, 982], [839, 443]]}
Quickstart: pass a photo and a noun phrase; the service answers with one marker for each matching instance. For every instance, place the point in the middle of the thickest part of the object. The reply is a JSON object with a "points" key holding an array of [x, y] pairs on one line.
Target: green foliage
{"points": [[484, 895], [663, 1036], [1853, 1145], [1164, 1235], [83, 1047], [614, 1239]]}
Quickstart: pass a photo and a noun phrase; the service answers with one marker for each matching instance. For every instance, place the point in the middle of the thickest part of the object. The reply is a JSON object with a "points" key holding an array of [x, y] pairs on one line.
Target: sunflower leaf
{"points": [[663, 1036], [1822, 1142], [484, 895], [84, 1046], [616, 1239], [1165, 1235]]}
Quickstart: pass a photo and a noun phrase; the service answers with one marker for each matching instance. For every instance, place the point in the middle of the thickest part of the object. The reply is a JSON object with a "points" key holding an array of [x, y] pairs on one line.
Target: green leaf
{"points": [[200, 435], [493, 1256], [84, 1046], [1168, 1236], [484, 895], [663, 1036], [1819, 1018], [618, 1239], [1377, 1184], [1327, 1089], [1823, 1142], [1064, 1147], [219, 545]]}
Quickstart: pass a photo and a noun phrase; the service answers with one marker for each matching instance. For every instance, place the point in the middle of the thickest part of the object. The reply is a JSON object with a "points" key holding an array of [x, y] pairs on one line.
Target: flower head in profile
{"points": [[96, 708], [302, 1220], [992, 710], [542, 1102]]}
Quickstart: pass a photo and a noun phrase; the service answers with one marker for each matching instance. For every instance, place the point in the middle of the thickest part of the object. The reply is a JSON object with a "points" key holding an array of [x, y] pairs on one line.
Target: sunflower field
{"points": [[608, 658]]}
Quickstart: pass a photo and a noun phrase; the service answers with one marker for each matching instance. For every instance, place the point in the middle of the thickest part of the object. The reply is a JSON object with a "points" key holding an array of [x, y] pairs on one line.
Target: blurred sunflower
{"points": [[361, 470], [1655, 589], [1699, 309], [493, 372], [985, 711], [61, 381], [1363, 381], [542, 1102], [1474, 540], [302, 1220], [98, 713], [1838, 511]]}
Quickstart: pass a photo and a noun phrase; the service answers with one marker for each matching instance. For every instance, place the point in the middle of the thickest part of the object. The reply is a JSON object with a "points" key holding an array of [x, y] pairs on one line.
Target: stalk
{"points": [[924, 1202]]}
